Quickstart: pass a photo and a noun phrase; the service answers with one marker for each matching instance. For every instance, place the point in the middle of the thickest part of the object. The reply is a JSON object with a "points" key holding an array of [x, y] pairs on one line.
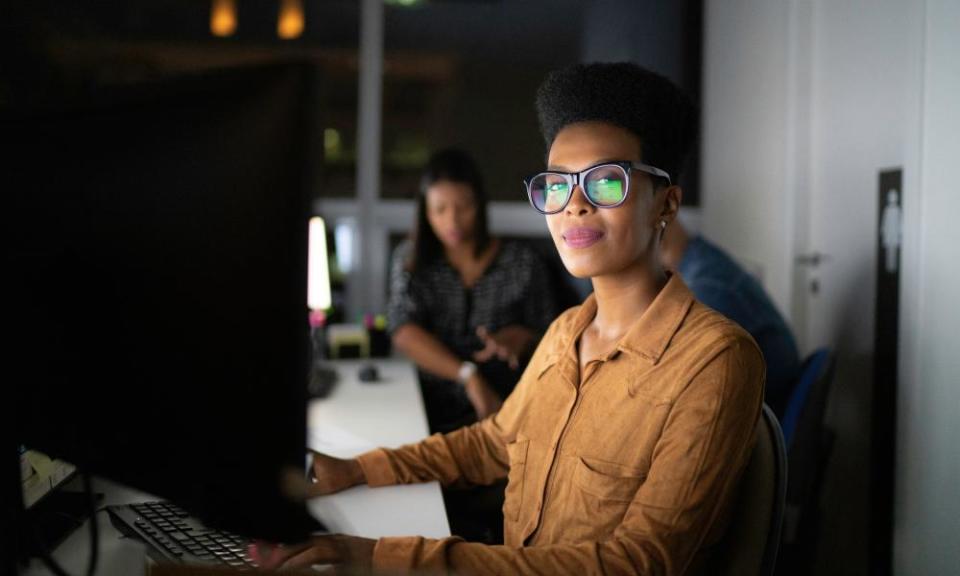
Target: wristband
{"points": [[467, 370]]}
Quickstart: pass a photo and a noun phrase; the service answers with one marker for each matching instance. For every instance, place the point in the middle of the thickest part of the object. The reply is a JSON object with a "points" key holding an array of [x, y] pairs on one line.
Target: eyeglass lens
{"points": [[604, 185]]}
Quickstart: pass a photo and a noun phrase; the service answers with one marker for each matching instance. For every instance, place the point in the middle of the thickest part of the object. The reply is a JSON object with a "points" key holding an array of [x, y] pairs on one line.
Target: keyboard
{"points": [[174, 536]]}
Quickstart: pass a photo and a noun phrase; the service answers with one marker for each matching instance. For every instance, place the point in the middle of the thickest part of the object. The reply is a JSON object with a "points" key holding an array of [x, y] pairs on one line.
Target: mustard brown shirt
{"points": [[627, 468]]}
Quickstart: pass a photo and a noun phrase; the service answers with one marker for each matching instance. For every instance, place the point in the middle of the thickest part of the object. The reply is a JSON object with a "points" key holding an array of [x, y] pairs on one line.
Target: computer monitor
{"points": [[155, 241]]}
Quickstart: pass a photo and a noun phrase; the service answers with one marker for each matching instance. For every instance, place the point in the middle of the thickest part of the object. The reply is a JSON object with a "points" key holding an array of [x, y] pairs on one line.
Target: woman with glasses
{"points": [[625, 438]]}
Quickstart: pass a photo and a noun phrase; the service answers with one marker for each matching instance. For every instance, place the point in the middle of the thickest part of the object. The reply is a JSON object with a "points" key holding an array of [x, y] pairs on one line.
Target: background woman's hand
{"points": [[334, 474], [485, 401], [510, 344]]}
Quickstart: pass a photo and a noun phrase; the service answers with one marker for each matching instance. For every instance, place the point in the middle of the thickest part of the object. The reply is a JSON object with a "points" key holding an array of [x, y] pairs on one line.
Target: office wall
{"points": [[744, 200], [928, 479], [864, 116], [804, 103]]}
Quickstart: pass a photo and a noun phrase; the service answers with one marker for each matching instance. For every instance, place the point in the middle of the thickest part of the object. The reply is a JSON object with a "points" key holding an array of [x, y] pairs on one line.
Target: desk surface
{"points": [[359, 416], [355, 417]]}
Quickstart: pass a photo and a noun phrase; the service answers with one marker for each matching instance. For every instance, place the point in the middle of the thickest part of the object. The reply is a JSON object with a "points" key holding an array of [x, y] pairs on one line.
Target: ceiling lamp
{"points": [[290, 19], [223, 17]]}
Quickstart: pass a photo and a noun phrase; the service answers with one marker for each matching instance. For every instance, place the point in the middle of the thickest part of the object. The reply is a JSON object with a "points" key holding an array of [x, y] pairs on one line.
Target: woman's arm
{"points": [[433, 356], [427, 351]]}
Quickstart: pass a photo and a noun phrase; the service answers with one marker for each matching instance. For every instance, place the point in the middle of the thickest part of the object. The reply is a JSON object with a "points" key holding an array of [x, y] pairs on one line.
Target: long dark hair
{"points": [[451, 165]]}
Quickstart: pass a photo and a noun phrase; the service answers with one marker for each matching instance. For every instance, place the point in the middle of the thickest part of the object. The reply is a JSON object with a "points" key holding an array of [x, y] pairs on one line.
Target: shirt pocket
{"points": [[600, 496], [513, 496], [608, 481]]}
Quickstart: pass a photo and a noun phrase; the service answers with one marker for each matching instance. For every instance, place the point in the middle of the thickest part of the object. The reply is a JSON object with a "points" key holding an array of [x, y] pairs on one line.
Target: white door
{"points": [[853, 114], [852, 118]]}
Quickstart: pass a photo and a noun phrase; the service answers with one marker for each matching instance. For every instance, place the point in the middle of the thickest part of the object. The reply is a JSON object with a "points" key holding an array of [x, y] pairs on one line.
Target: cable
{"points": [[94, 528]]}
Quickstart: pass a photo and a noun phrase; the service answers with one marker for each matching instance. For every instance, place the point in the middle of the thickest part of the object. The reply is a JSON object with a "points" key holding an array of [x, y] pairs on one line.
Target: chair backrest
{"points": [[807, 401], [753, 537], [809, 444]]}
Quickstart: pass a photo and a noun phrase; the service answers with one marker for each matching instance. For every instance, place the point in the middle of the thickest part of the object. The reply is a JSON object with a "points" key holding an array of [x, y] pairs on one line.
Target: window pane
{"points": [[465, 74]]}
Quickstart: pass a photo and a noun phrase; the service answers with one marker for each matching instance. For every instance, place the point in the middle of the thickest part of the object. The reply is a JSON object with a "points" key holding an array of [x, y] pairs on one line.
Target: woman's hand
{"points": [[330, 549], [334, 474], [510, 344], [485, 401]]}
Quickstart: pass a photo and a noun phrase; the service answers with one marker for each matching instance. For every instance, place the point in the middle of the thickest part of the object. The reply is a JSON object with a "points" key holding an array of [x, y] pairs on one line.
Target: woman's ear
{"points": [[672, 196]]}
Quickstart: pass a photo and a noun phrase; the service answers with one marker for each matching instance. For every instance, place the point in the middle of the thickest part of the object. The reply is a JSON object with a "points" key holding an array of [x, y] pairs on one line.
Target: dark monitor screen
{"points": [[155, 242]]}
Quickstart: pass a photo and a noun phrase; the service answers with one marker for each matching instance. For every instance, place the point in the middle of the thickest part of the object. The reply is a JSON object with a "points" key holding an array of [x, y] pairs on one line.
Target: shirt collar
{"points": [[648, 337], [652, 333]]}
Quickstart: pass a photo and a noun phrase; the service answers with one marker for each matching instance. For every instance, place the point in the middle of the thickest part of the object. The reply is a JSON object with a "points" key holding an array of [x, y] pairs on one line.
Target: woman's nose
{"points": [[578, 204]]}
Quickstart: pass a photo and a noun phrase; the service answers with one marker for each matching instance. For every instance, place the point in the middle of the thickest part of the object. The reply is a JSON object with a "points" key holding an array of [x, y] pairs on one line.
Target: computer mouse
{"points": [[368, 373]]}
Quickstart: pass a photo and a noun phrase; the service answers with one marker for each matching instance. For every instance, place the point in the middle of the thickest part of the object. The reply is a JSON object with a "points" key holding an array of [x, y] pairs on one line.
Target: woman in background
{"points": [[467, 307]]}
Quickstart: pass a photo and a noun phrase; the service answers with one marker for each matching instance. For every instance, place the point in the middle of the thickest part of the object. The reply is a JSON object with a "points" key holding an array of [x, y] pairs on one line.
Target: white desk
{"points": [[356, 417]]}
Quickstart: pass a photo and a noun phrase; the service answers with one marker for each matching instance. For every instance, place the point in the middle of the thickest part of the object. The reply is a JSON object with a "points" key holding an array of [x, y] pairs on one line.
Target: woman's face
{"points": [[452, 212], [599, 241]]}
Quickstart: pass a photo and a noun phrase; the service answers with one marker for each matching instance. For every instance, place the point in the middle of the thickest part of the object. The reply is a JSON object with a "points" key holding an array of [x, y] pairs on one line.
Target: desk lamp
{"points": [[322, 377]]}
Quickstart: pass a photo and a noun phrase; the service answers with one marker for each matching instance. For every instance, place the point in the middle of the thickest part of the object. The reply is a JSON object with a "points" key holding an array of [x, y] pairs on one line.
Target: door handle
{"points": [[812, 259]]}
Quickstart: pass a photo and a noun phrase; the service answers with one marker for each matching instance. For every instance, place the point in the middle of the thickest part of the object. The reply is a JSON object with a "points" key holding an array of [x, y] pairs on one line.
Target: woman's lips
{"points": [[581, 237], [454, 236]]}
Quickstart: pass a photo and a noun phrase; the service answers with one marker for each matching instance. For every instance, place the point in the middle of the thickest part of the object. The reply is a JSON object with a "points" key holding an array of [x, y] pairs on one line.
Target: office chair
{"points": [[809, 395], [809, 445], [753, 538]]}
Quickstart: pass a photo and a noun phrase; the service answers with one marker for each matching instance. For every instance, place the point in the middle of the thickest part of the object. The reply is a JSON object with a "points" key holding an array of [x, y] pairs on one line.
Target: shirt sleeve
{"points": [[402, 306], [697, 462]]}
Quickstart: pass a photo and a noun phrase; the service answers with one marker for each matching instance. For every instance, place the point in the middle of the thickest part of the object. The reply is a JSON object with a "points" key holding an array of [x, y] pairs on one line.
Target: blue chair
{"points": [[809, 445], [753, 538], [809, 391]]}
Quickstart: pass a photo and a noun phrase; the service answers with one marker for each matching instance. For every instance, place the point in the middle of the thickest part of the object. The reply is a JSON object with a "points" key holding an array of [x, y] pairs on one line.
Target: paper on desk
{"points": [[405, 510], [374, 512], [335, 441]]}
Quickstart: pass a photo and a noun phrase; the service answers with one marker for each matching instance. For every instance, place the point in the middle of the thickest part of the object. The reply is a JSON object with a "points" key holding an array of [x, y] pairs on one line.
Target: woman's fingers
{"points": [[274, 555], [323, 551], [490, 349], [492, 346], [320, 550]]}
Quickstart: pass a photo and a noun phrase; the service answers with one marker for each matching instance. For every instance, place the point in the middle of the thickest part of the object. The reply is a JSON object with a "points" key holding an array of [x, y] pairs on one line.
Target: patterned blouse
{"points": [[514, 289]]}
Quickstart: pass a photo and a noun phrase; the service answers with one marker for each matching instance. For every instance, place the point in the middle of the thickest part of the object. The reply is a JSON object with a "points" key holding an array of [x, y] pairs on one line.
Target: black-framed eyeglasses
{"points": [[605, 185]]}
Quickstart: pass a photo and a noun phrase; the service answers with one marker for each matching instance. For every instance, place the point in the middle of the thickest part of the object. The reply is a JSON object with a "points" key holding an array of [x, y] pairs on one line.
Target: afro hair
{"points": [[625, 95]]}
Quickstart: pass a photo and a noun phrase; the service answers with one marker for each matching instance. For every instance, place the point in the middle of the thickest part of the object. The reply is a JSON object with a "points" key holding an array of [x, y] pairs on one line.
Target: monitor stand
{"points": [[322, 377], [322, 380]]}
